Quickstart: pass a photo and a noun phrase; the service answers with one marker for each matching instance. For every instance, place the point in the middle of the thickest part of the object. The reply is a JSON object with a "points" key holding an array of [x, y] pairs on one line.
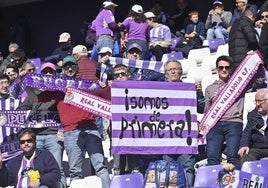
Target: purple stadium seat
{"points": [[214, 43], [258, 167], [134, 180], [207, 176], [174, 55], [174, 42]]}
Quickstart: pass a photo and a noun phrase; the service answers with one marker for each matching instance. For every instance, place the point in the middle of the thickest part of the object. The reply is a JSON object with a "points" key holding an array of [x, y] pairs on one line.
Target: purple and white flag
{"points": [[154, 118], [9, 143], [157, 66], [88, 102]]}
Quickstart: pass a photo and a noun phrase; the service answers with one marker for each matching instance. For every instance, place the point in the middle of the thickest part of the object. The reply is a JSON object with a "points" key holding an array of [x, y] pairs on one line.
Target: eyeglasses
{"points": [[31, 70], [117, 75], [173, 69], [67, 67], [265, 16], [224, 67], [260, 101], [28, 141], [10, 73]]}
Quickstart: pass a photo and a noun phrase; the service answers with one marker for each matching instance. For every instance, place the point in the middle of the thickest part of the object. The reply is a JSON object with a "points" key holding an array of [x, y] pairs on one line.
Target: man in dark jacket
{"points": [[33, 167], [242, 38], [254, 141]]}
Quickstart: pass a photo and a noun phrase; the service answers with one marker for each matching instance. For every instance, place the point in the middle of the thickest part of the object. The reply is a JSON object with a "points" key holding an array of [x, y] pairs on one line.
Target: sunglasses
{"points": [[10, 73], [50, 71], [67, 67], [28, 141], [265, 16], [224, 67], [117, 75]]}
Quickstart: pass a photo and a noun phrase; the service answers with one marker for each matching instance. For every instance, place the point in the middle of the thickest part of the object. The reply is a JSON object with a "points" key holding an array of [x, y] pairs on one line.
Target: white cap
{"points": [[108, 3], [105, 50], [149, 15], [64, 37], [80, 50], [137, 8]]}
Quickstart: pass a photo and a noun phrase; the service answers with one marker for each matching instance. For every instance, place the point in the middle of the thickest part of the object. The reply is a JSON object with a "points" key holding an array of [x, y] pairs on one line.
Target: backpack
{"points": [[165, 174]]}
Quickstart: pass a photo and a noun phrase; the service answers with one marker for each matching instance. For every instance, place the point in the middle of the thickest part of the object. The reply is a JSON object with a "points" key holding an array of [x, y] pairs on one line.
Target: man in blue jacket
{"points": [[33, 168], [254, 141]]}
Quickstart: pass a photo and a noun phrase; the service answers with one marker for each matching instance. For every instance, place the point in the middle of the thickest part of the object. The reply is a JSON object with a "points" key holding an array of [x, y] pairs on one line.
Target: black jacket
{"points": [[242, 39], [251, 136]]}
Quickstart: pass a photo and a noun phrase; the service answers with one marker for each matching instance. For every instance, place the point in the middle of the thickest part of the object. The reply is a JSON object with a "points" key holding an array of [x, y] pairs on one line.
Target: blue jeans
{"points": [[230, 132], [217, 33], [104, 42], [85, 139], [188, 162], [50, 143]]}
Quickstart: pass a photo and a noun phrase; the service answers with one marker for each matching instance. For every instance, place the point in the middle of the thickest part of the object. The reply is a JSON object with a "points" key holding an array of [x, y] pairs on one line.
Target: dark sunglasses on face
{"points": [[50, 71], [224, 67], [265, 16], [117, 75], [67, 67], [28, 141]]}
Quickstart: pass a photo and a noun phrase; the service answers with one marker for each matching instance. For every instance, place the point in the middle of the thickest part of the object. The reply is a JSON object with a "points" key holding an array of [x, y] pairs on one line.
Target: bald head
{"points": [[261, 99]]}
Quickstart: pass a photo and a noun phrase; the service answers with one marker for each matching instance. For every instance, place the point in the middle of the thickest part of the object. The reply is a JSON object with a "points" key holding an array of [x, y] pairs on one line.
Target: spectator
{"points": [[242, 38], [34, 167], [259, 23], [179, 19], [64, 49], [195, 30], [47, 138], [254, 141], [26, 68], [173, 73], [80, 131], [229, 127], [263, 44], [86, 67], [218, 21], [12, 71], [1, 58], [105, 26], [241, 6], [11, 48], [160, 14], [160, 37], [18, 57], [137, 29]]}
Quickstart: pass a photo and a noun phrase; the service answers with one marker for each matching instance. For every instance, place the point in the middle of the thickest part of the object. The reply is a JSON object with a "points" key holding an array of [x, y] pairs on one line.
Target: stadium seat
{"points": [[198, 73], [174, 42], [174, 55], [222, 50], [207, 176], [210, 61], [134, 180], [258, 167], [215, 43], [249, 105], [90, 181], [198, 54], [208, 80], [186, 64]]}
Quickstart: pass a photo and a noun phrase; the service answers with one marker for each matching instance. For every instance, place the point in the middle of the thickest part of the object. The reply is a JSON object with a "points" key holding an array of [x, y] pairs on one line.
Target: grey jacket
{"points": [[219, 20]]}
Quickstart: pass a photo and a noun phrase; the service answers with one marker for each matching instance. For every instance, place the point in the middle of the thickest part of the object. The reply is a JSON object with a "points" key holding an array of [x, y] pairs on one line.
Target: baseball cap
{"points": [[149, 15], [64, 37], [69, 59], [108, 3], [48, 65], [80, 50], [134, 45], [137, 8], [105, 50], [217, 2]]}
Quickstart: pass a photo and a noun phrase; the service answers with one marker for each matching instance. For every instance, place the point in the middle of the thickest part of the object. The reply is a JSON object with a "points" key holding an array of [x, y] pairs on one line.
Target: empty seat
{"points": [[134, 180], [174, 42], [208, 80], [249, 105], [90, 181], [198, 54], [210, 61], [215, 43], [174, 55], [186, 64], [198, 73], [207, 176], [222, 50]]}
